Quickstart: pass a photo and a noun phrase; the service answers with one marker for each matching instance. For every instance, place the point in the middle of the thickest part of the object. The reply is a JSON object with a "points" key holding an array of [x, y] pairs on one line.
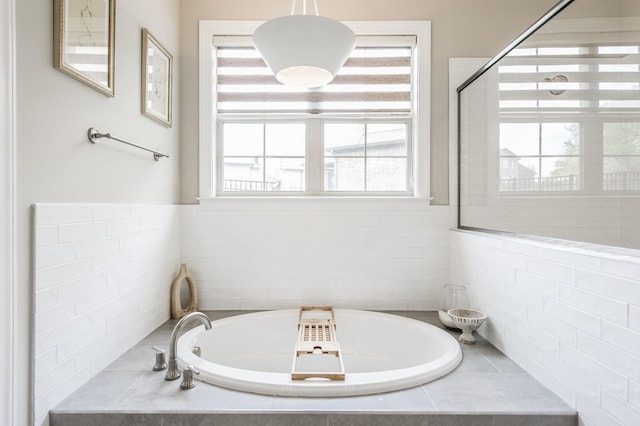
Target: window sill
{"points": [[329, 202]]}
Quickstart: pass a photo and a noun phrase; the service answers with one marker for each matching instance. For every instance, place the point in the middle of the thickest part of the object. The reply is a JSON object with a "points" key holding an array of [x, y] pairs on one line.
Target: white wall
{"points": [[367, 254], [567, 314], [56, 162], [102, 278]]}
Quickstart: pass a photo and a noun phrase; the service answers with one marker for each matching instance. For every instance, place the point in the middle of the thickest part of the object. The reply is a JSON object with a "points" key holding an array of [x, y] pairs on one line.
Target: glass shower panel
{"points": [[549, 136]]}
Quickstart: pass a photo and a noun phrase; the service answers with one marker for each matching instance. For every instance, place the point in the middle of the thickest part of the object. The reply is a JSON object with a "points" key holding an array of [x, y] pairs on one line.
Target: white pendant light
{"points": [[304, 50]]}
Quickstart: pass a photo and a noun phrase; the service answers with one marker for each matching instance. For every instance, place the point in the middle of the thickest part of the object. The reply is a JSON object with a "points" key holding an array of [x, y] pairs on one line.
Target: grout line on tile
{"points": [[133, 383]]}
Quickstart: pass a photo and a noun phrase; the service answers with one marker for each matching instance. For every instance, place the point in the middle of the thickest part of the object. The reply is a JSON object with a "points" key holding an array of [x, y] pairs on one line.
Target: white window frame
{"points": [[208, 152]]}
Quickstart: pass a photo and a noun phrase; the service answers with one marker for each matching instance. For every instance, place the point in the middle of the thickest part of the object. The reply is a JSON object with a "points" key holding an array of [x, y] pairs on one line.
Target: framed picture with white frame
{"points": [[157, 74]]}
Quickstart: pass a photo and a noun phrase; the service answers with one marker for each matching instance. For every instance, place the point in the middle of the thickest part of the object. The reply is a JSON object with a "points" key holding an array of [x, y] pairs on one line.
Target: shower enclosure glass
{"points": [[549, 130]]}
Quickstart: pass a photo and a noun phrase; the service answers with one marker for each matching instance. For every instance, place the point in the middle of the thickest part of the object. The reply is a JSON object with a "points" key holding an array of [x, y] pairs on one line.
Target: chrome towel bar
{"points": [[94, 135]]}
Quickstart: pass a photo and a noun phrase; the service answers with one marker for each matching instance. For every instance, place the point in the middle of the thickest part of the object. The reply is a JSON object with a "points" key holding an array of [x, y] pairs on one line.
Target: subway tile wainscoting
{"points": [[99, 269], [569, 314], [284, 253], [569, 317], [101, 283]]}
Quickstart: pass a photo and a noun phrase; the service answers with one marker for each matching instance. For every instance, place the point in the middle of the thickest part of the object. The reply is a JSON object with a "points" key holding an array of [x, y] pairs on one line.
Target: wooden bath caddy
{"points": [[317, 354]]}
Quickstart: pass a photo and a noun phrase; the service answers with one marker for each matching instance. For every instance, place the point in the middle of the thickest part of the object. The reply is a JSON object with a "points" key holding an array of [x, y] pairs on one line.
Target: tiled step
{"points": [[309, 419], [486, 389]]}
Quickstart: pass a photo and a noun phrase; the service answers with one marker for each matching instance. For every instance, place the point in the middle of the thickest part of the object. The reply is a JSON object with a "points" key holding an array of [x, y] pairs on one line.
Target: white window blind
{"points": [[575, 79], [376, 79]]}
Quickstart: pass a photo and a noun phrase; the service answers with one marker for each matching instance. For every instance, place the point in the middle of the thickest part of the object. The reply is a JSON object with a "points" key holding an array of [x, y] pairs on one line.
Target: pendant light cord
{"points": [[304, 7]]}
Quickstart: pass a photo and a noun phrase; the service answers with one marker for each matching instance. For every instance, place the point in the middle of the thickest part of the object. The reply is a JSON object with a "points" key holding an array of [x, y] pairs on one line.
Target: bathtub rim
{"points": [[280, 384]]}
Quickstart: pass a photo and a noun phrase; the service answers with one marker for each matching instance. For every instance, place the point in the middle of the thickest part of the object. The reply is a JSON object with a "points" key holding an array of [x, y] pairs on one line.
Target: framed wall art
{"points": [[84, 41], [157, 74]]}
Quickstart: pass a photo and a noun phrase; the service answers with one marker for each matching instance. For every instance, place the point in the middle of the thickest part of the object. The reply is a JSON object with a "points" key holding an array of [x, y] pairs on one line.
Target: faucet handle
{"points": [[161, 363], [187, 377]]}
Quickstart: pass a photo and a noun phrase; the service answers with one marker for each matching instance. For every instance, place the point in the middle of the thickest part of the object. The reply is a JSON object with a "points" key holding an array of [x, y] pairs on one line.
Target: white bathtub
{"points": [[381, 352]]}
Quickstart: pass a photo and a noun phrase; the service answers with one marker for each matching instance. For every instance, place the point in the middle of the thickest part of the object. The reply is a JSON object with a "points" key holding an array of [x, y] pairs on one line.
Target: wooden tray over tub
{"points": [[317, 354]]}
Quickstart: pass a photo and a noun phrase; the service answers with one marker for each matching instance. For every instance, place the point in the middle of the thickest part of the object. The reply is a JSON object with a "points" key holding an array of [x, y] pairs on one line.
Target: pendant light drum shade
{"points": [[304, 50]]}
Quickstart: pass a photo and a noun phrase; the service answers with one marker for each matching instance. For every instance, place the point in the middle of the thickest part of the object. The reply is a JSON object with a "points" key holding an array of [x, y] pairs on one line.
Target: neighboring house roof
{"points": [[522, 170], [504, 152]]}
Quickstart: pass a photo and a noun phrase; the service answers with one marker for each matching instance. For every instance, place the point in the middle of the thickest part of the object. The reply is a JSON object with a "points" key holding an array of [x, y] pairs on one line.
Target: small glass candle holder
{"points": [[453, 297]]}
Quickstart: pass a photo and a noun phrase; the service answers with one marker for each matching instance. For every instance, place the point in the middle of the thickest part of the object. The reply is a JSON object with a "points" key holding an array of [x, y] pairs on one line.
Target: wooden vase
{"points": [[177, 311]]}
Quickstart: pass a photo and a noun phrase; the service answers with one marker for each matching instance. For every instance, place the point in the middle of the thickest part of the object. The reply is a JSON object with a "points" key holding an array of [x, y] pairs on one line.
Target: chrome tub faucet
{"points": [[172, 370]]}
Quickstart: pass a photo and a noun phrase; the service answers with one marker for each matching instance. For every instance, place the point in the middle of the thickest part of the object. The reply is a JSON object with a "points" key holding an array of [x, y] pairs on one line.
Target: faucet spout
{"points": [[172, 367]]}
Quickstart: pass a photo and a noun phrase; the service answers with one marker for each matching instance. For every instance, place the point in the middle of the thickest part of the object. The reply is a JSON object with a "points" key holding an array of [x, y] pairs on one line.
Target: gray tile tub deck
{"points": [[487, 389]]}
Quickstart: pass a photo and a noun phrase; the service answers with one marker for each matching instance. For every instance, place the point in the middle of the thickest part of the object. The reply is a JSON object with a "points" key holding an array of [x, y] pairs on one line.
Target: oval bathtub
{"points": [[381, 353]]}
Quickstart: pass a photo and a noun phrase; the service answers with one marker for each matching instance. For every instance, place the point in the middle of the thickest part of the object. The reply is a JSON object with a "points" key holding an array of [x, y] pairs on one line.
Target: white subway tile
{"points": [[387, 305], [514, 308], [46, 299], [153, 210], [86, 356], [81, 231], [570, 258], [626, 291], [52, 378], [550, 325], [591, 413], [110, 212], [95, 299], [47, 214], [97, 247], [607, 308], [525, 248], [45, 362], [129, 336], [576, 318], [54, 275], [552, 270], [138, 239], [102, 360], [68, 348], [634, 318], [110, 261], [91, 285], [158, 223], [515, 260], [565, 391], [540, 338], [110, 309], [621, 337], [55, 255], [46, 236], [610, 379], [584, 384], [75, 288], [620, 409], [634, 394], [55, 316], [126, 226], [624, 363], [48, 337], [538, 284], [629, 270], [521, 294], [63, 389]]}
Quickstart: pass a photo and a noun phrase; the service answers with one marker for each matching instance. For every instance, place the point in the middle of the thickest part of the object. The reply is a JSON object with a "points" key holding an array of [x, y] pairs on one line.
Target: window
{"points": [[621, 156], [568, 119], [540, 157], [359, 135]]}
